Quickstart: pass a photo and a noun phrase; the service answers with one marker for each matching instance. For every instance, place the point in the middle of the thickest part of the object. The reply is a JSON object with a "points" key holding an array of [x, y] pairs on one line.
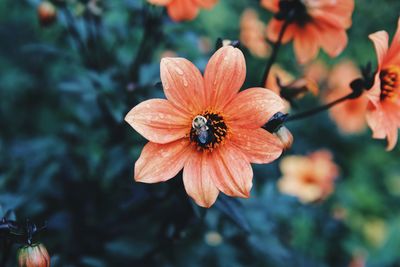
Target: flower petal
{"points": [[206, 3], [380, 40], [161, 162], [197, 180], [258, 145], [159, 2], [376, 120], [158, 121], [252, 108], [393, 55], [271, 5], [183, 84], [384, 121], [231, 171], [180, 10], [274, 28], [224, 75], [306, 43], [333, 40]]}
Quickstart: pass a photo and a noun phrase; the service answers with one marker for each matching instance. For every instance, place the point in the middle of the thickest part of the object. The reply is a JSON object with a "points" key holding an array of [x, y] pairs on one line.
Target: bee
{"points": [[199, 124]]}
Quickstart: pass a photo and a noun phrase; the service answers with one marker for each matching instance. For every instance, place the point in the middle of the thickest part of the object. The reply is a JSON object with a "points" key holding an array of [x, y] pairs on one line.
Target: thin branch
{"points": [[316, 110], [275, 51]]}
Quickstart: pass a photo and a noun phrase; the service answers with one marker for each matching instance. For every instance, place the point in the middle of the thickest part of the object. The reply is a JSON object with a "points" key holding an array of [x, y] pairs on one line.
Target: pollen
{"points": [[390, 83], [212, 134]]}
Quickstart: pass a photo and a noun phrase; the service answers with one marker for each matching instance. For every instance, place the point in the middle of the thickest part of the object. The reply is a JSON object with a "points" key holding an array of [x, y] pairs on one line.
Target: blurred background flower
{"points": [[310, 178], [349, 115]]}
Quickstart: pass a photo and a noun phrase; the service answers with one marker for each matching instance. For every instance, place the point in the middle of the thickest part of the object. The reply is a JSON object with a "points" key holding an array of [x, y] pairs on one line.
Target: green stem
{"points": [[316, 110], [275, 51]]}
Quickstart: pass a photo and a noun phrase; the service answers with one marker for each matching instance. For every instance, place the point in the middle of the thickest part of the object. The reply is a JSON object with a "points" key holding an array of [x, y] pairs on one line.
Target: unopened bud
{"points": [[35, 255], [47, 13], [285, 137]]}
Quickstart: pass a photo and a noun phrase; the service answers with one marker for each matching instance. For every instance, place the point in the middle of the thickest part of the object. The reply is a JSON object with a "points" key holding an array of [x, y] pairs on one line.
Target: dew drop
{"points": [[179, 70], [185, 82]]}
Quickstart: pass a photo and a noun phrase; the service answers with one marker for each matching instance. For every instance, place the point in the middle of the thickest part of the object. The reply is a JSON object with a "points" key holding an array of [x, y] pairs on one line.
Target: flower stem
{"points": [[316, 110], [275, 50]]}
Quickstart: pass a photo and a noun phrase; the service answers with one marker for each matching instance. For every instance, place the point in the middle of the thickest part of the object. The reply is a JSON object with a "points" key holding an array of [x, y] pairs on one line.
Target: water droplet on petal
{"points": [[179, 70], [185, 82]]}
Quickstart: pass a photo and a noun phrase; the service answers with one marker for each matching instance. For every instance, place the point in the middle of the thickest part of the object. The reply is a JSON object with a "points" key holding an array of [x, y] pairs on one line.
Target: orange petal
{"points": [[161, 162], [252, 108], [333, 40], [392, 136], [158, 121], [380, 40], [272, 5], [274, 28], [206, 3], [258, 145], [393, 55], [159, 2], [224, 75], [306, 44], [180, 10], [376, 121], [183, 84], [384, 122], [231, 171], [197, 180], [392, 111]]}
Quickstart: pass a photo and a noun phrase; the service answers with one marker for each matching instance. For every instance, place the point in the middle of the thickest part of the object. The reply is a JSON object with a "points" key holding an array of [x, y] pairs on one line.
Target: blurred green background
{"points": [[67, 156]]}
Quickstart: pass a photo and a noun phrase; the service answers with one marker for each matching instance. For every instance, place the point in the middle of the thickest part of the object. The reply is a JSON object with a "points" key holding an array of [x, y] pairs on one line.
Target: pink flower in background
{"points": [[310, 178], [206, 127], [318, 24], [384, 106], [349, 115], [180, 10]]}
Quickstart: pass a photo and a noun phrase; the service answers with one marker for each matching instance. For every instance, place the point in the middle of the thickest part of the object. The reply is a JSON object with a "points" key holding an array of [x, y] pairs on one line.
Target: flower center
{"points": [[390, 82], [208, 130], [294, 11]]}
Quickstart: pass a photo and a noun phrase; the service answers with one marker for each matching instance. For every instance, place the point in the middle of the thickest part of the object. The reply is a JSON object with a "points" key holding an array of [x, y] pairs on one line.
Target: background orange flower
{"points": [[316, 24], [252, 34], [350, 114], [310, 178], [180, 10]]}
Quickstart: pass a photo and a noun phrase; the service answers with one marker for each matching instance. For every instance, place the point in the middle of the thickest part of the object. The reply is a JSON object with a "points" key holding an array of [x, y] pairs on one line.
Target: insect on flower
{"points": [[207, 127], [201, 129]]}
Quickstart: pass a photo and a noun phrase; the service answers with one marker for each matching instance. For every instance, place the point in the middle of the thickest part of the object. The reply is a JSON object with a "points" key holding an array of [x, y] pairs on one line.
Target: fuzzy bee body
{"points": [[199, 124]]}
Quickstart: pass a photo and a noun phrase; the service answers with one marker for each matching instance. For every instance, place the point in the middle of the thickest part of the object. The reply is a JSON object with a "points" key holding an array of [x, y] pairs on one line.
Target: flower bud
{"points": [[35, 255], [285, 136], [47, 13]]}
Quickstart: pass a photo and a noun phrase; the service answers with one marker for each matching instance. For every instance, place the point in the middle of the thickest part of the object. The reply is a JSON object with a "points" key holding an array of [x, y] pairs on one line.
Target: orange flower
{"points": [[315, 24], [34, 255], [180, 10], [252, 34], [383, 114], [310, 178], [278, 72], [294, 88], [350, 114], [316, 71], [206, 127]]}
